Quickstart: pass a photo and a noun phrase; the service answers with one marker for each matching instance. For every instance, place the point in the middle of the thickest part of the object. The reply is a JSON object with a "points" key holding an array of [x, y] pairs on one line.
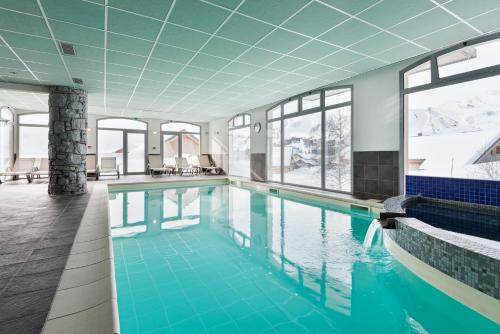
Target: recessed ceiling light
{"points": [[78, 81]]}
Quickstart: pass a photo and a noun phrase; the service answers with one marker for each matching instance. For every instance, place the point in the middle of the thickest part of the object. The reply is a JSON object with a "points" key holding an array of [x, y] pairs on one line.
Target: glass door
{"points": [[190, 147], [171, 148], [110, 144], [136, 152]]}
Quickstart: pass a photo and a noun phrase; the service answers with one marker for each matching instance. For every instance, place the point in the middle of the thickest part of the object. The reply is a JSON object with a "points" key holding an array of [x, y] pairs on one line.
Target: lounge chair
{"points": [[42, 169], [206, 166], [92, 167], [156, 166], [184, 167], [22, 167], [109, 166]]}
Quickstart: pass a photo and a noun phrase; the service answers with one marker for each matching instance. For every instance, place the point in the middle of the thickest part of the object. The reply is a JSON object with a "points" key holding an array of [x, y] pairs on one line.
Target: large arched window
{"points": [[451, 110], [309, 140], [124, 139], [6, 138], [180, 139], [239, 145], [33, 135]]}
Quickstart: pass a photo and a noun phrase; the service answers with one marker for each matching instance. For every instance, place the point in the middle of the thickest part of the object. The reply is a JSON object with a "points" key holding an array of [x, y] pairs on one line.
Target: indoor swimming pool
{"points": [[225, 259]]}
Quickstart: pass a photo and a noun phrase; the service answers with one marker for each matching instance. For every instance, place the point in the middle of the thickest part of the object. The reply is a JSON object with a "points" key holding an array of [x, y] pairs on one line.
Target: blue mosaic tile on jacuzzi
{"points": [[486, 192]]}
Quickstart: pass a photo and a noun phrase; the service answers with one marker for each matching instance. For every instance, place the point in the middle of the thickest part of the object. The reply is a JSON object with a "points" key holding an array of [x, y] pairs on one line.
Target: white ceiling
{"points": [[205, 59]]}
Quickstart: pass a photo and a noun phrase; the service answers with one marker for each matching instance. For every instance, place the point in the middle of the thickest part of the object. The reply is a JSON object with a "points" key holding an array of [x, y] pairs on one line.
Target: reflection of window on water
{"points": [[313, 253], [181, 208]]}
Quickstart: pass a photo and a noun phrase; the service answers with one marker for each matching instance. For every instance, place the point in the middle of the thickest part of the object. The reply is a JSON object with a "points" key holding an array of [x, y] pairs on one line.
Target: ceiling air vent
{"points": [[67, 49], [78, 81]]}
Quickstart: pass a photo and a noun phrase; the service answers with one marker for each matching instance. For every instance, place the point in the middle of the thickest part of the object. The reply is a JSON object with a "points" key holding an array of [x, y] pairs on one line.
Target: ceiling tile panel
{"points": [[391, 12], [77, 34], [153, 8], [467, 9], [424, 24], [377, 43], [341, 58], [157, 77], [129, 45], [183, 37], [30, 42], [75, 11], [351, 6], [288, 64], [165, 52], [240, 68], [487, 22], [157, 65], [259, 57], [133, 25], [315, 19], [282, 41], [272, 11], [121, 58], [313, 70], [223, 48], [198, 15], [244, 29], [314, 50], [230, 4], [209, 62], [349, 32], [22, 23], [448, 36], [29, 7], [401, 52], [364, 65], [200, 73], [6, 53]]}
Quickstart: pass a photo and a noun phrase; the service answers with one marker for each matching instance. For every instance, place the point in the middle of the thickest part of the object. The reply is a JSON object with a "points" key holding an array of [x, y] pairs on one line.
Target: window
{"points": [[304, 151], [180, 139], [452, 126], [291, 107], [122, 123], [6, 138], [418, 76], [33, 135], [125, 140], [180, 127], [311, 101], [469, 58], [239, 145]]}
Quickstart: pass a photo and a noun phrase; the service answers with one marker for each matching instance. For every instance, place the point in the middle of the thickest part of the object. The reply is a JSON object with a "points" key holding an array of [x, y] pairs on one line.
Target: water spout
{"points": [[374, 233]]}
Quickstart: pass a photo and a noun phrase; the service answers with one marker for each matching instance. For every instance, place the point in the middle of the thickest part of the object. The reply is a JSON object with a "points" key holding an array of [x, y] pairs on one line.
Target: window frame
{"points": [[321, 109], [18, 130], [436, 82], [124, 132], [179, 136]]}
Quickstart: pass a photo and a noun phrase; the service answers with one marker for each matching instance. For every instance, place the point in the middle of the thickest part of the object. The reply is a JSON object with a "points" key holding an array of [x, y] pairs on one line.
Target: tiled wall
{"points": [[258, 167], [376, 174], [485, 192], [474, 268]]}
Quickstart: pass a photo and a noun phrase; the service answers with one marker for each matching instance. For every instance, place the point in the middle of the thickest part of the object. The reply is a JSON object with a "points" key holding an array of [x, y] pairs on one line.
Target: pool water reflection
{"points": [[222, 259]]}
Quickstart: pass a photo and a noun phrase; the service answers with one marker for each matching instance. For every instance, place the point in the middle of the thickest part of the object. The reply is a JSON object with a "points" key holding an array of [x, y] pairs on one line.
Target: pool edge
{"points": [[474, 299]]}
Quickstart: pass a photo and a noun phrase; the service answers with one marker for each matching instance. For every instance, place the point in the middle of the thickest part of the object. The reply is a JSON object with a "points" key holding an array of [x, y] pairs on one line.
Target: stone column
{"points": [[67, 141]]}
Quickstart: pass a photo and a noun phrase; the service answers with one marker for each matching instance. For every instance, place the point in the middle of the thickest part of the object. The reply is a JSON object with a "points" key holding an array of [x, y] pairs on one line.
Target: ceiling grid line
{"points": [[455, 16], [246, 51], [167, 16], [201, 48], [55, 42]]}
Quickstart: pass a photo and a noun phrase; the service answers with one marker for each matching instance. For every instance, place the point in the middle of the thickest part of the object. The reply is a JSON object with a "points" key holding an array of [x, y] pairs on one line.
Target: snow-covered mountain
{"points": [[465, 114]]}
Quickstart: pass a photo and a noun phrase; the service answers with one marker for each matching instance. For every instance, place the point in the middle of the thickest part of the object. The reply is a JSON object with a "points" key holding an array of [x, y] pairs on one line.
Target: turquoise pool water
{"points": [[221, 259]]}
